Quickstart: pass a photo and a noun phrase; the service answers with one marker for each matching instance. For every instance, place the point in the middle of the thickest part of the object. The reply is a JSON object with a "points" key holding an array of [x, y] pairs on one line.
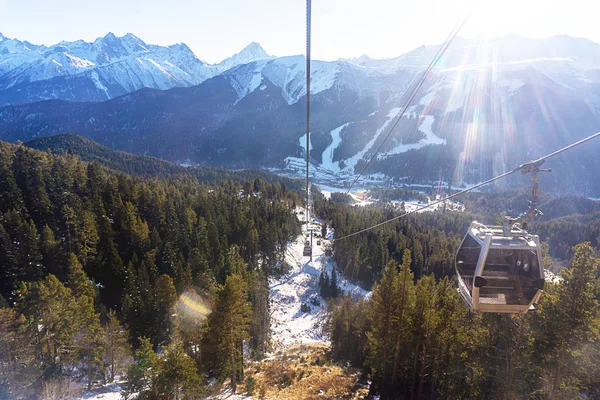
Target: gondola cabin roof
{"points": [[517, 238]]}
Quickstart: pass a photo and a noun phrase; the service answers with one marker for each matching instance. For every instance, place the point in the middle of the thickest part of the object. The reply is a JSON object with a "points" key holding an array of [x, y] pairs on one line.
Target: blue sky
{"points": [[215, 29]]}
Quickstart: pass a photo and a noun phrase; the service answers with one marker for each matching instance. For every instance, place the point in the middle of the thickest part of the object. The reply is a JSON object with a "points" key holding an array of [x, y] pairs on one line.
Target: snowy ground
{"points": [[429, 139], [227, 394], [289, 325], [362, 198], [107, 392], [411, 206]]}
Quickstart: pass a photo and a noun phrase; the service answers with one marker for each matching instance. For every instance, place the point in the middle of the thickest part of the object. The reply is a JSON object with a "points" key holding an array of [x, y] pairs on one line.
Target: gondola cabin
{"points": [[498, 271], [307, 249]]}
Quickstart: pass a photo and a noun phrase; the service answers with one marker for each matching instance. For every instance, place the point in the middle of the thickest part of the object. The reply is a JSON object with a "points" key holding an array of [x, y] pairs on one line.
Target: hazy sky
{"points": [[215, 29]]}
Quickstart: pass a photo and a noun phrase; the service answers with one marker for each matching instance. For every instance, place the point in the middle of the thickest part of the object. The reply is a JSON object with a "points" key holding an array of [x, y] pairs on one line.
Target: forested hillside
{"points": [[87, 252], [132, 268], [147, 166], [433, 238], [416, 339]]}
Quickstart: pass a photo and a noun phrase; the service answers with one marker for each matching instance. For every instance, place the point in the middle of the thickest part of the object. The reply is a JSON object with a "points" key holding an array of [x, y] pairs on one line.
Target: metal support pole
{"points": [[308, 13]]}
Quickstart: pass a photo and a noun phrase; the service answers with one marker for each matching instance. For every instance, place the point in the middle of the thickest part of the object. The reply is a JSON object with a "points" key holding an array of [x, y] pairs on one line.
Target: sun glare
{"points": [[492, 18]]}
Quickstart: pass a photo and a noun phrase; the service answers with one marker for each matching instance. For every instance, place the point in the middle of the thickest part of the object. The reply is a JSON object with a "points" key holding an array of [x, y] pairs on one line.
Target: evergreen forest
{"points": [[120, 267]]}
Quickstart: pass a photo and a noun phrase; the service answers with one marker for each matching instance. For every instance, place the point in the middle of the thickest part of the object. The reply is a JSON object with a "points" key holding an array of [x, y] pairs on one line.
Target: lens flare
{"points": [[192, 305]]}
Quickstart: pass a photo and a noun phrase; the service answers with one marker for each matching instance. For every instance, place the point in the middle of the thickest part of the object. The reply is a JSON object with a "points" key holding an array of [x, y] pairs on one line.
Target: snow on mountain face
{"points": [[14, 53], [287, 73], [120, 65], [556, 56], [252, 52], [134, 63]]}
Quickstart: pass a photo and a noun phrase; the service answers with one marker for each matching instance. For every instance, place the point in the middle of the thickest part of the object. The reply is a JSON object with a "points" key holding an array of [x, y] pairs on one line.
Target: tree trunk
{"points": [[89, 375], [433, 385], [233, 371], [242, 369], [414, 376], [556, 379], [233, 365], [422, 373], [383, 370]]}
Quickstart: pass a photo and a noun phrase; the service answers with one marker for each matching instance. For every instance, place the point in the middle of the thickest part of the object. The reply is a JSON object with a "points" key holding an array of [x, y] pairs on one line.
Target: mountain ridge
{"points": [[468, 122], [103, 69]]}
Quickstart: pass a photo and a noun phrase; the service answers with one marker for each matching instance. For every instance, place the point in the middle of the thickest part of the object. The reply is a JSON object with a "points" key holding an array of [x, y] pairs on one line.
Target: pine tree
{"points": [[54, 316], [88, 237], [9, 260], [165, 298], [52, 257], [197, 263], [142, 371], [566, 321], [89, 340], [424, 320], [176, 375], [27, 170], [117, 350], [11, 196], [78, 281], [348, 324], [381, 337], [23, 251], [20, 370], [134, 305], [333, 291], [235, 262], [261, 320], [109, 265], [230, 326], [402, 320]]}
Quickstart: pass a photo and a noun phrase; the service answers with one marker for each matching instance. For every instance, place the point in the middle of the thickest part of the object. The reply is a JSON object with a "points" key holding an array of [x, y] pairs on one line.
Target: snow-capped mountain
{"points": [[252, 52], [108, 67], [14, 53], [487, 107]]}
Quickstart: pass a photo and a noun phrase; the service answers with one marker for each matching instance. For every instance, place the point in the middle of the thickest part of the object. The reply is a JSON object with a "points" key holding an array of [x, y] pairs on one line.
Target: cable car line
{"points": [[523, 167], [414, 92], [308, 245]]}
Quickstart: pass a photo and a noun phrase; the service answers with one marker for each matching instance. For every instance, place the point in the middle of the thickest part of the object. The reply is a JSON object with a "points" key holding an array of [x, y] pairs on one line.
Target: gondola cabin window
{"points": [[499, 272]]}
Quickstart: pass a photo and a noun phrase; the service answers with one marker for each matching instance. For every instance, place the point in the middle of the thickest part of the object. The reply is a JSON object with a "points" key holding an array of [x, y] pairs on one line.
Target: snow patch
{"points": [[80, 62], [430, 138], [361, 198], [549, 276], [98, 84], [289, 325], [289, 73], [111, 391], [352, 161], [327, 158]]}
